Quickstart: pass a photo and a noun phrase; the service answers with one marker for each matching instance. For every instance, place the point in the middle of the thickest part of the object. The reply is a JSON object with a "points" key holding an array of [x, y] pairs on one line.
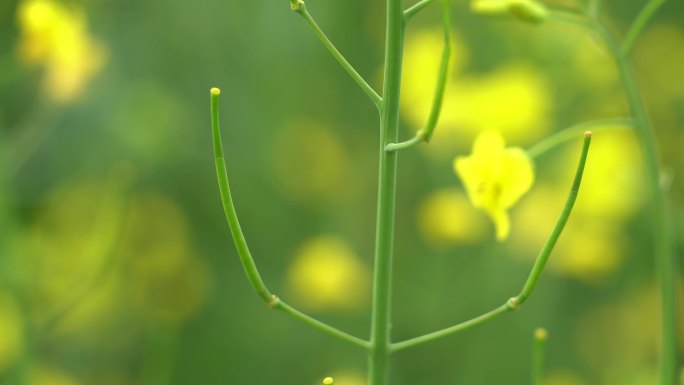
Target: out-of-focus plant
{"points": [[56, 37], [37, 286], [495, 177]]}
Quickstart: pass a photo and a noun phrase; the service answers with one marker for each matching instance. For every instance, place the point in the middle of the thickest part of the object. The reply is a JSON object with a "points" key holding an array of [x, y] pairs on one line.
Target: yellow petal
{"points": [[517, 176], [489, 144], [501, 221], [470, 175], [495, 177], [480, 171]]}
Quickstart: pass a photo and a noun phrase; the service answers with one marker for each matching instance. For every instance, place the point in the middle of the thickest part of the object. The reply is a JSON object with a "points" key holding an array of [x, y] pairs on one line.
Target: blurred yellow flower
{"points": [[495, 177], [56, 37], [11, 331], [470, 99], [514, 100], [326, 274], [419, 77], [168, 280], [446, 217], [591, 246]]}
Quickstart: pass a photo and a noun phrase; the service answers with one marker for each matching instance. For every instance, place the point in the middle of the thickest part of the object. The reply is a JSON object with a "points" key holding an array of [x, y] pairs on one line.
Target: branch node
{"points": [[513, 303], [273, 302]]}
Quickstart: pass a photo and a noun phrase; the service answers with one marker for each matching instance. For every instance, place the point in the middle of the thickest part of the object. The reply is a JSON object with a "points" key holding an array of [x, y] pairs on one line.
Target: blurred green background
{"points": [[116, 265]]}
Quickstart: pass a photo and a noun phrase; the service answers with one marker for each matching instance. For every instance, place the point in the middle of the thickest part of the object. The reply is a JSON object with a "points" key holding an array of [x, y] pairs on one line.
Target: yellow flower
{"points": [[327, 274], [495, 177], [56, 37], [436, 219]]}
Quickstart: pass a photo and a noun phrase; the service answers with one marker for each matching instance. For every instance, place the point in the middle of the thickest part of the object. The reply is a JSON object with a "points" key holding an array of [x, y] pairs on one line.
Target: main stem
{"points": [[666, 264], [665, 261], [378, 357]]}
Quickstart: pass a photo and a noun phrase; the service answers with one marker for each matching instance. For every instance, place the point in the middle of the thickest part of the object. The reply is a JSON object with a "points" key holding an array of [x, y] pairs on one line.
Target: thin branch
{"points": [[425, 134], [573, 132], [639, 23], [508, 306], [515, 302], [280, 305], [375, 98], [235, 230], [241, 244], [558, 228], [407, 143], [415, 8]]}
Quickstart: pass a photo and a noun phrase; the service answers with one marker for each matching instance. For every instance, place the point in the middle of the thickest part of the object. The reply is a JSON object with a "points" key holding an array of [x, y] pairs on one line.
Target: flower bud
{"points": [[296, 5]]}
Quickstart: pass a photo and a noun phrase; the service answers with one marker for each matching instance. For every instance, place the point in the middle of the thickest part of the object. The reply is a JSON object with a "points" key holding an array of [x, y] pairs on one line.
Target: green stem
{"points": [[425, 134], [377, 100], [638, 25], [384, 237], [573, 132], [665, 260], [241, 244], [280, 305], [419, 137], [415, 8], [231, 215], [515, 302], [453, 329], [540, 337], [557, 228]]}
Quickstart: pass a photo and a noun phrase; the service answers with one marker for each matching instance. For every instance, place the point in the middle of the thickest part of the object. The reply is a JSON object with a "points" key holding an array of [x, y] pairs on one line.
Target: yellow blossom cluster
{"points": [[56, 37]]}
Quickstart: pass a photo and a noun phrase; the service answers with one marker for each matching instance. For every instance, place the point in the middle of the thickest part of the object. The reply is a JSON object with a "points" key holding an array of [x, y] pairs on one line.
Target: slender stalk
{"points": [[665, 259], [375, 98], [573, 132], [241, 244], [557, 228], [387, 180], [415, 8], [538, 351], [231, 215], [515, 302], [639, 23], [425, 134], [505, 308], [443, 74], [280, 305]]}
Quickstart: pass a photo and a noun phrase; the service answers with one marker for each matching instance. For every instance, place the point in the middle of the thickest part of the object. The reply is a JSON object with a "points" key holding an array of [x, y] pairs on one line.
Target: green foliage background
{"points": [[117, 200]]}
